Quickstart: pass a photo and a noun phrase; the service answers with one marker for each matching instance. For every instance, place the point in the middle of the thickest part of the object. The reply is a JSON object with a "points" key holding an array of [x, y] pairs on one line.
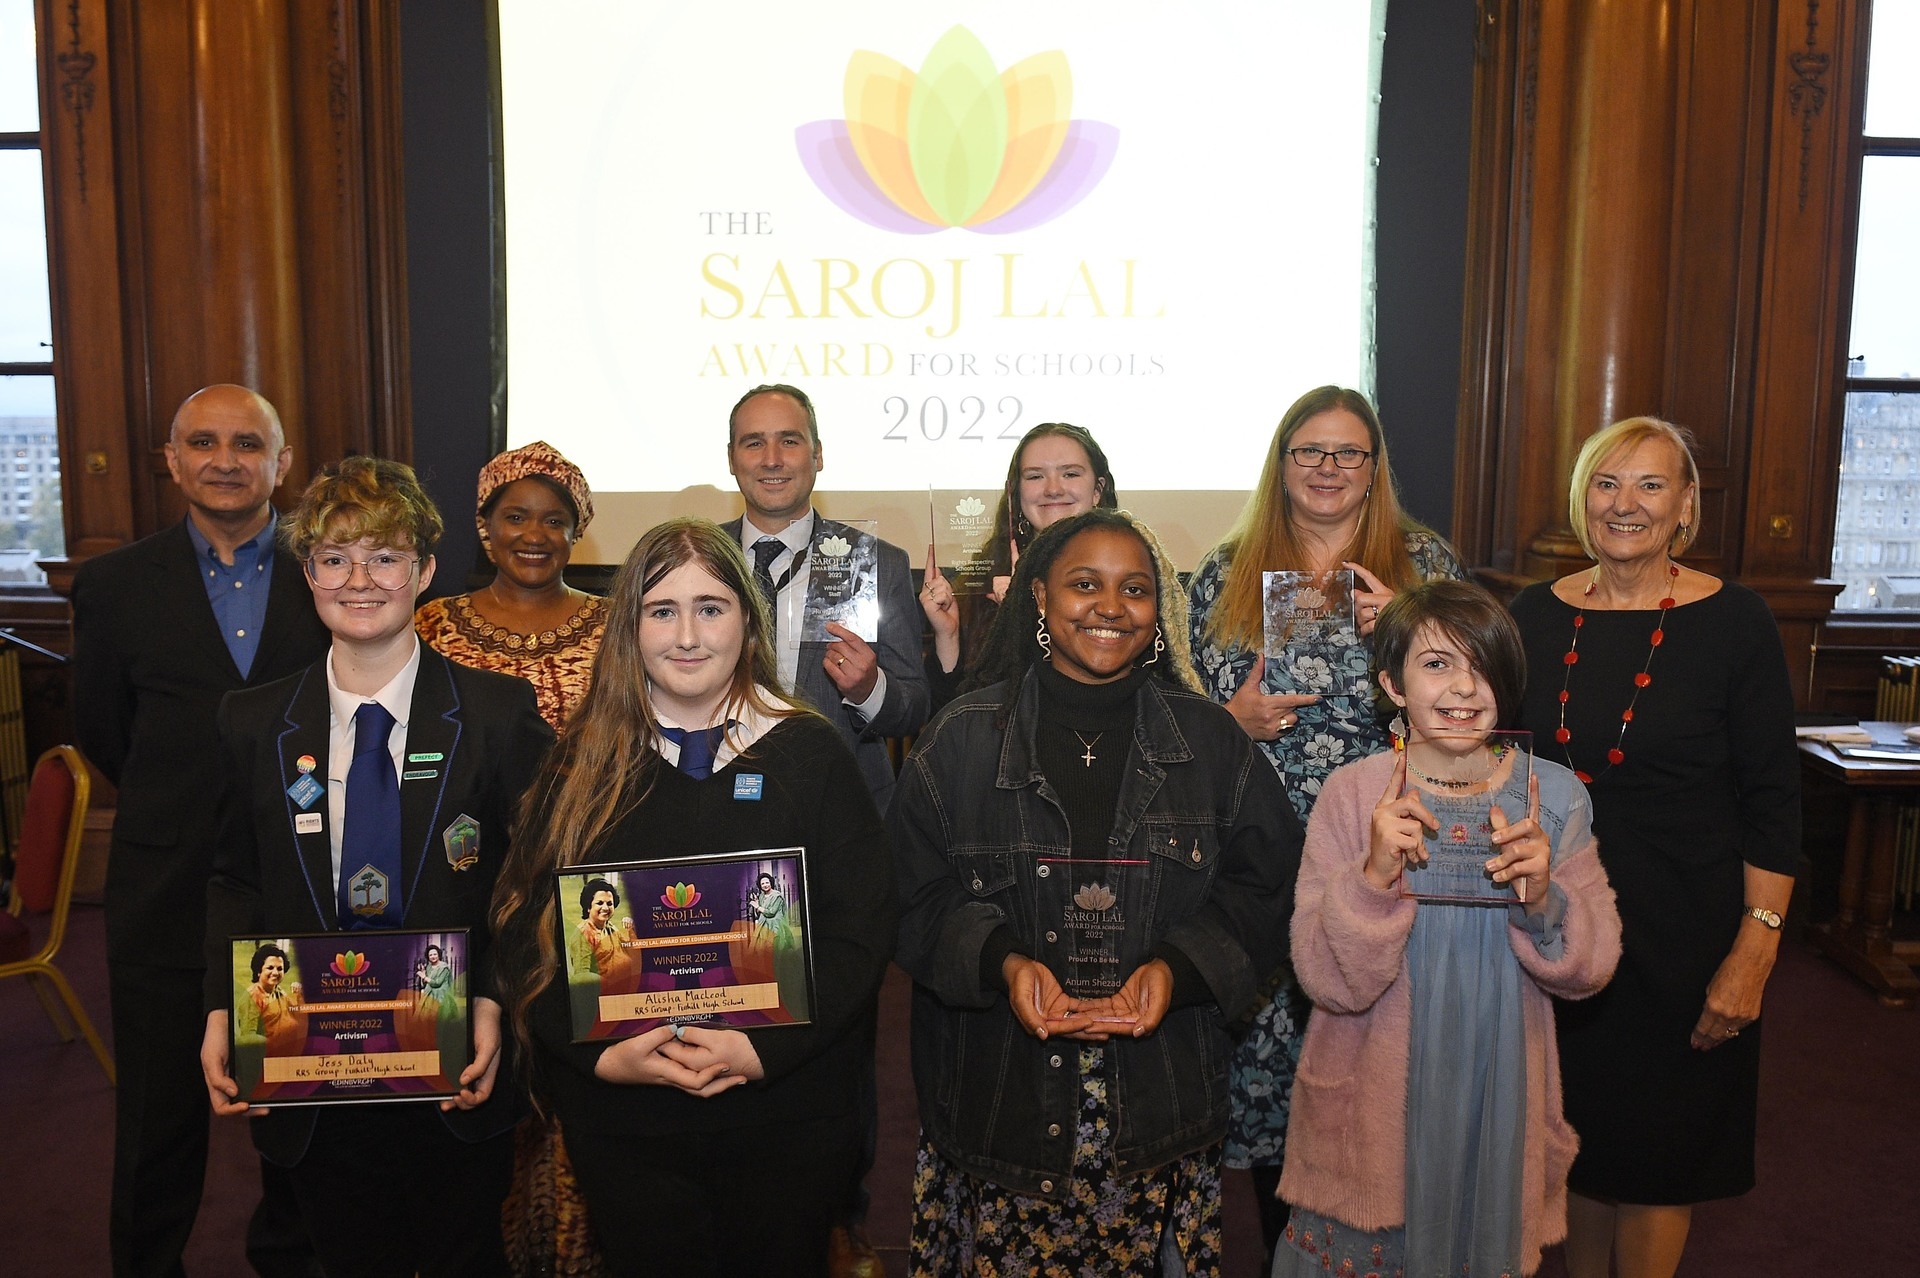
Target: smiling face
{"points": [[1101, 604], [1056, 481], [600, 912], [691, 633], [361, 612], [1326, 497], [272, 969], [773, 458], [1635, 501], [227, 453], [529, 533], [1448, 702]]}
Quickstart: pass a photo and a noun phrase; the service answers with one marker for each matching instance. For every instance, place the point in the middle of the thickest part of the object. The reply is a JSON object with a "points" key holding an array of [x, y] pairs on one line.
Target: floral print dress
{"points": [[1331, 732]]}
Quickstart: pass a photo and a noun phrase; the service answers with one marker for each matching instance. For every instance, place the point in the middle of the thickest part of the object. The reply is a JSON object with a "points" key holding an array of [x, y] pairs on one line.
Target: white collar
{"points": [[795, 536], [396, 696]]}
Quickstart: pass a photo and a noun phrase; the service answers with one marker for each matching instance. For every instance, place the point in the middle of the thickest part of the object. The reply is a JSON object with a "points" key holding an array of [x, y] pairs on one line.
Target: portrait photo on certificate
{"points": [[714, 940], [350, 1016]]}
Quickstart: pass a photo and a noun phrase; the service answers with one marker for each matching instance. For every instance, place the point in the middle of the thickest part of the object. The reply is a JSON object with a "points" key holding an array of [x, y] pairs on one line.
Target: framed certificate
{"points": [[712, 940], [336, 1017], [1460, 780], [1312, 634]]}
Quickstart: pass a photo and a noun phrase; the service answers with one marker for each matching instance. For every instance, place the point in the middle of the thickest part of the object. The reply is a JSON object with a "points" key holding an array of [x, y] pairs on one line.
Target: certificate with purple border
{"points": [[711, 940], [336, 1017]]}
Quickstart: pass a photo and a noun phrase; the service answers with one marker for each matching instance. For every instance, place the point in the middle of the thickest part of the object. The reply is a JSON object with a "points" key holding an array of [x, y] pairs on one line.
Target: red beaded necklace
{"points": [[1616, 755]]}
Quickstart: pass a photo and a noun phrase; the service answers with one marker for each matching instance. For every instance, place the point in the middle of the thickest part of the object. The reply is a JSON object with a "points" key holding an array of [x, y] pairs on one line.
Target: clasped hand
{"points": [[1045, 1010], [700, 1062], [1523, 856]]}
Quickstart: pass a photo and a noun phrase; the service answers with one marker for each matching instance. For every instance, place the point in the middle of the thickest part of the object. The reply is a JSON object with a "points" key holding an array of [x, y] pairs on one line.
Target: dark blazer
{"points": [[907, 702], [269, 881], [150, 667]]}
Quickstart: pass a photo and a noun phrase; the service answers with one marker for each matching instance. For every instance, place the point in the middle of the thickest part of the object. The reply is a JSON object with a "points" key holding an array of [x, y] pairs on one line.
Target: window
{"points": [[30, 525], [1876, 545]]}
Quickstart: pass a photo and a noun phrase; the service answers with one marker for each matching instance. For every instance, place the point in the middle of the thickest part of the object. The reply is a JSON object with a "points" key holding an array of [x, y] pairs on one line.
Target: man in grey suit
{"points": [[869, 691]]}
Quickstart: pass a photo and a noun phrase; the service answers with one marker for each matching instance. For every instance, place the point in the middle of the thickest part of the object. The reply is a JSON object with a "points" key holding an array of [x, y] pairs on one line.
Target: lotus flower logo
{"points": [[348, 964], [969, 507], [835, 547], [959, 144], [1094, 897], [1310, 597], [680, 896]]}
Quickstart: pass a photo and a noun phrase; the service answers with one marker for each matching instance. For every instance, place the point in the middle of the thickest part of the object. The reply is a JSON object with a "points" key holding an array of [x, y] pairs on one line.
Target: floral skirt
{"points": [[1107, 1224], [544, 1220]]}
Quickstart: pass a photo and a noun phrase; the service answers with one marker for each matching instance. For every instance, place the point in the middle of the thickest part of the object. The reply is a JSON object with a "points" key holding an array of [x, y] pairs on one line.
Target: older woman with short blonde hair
{"points": [[1666, 690]]}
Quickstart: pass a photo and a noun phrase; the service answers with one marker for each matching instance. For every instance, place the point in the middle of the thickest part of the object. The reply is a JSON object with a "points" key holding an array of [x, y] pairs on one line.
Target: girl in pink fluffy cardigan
{"points": [[1426, 1137]]}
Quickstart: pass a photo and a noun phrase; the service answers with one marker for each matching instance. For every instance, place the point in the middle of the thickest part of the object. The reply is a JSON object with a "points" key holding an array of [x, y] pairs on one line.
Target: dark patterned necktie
{"points": [[765, 551]]}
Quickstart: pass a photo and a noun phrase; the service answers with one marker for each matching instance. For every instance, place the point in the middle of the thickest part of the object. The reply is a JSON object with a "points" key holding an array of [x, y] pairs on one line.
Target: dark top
{"points": [[815, 797], [1709, 781], [149, 669]]}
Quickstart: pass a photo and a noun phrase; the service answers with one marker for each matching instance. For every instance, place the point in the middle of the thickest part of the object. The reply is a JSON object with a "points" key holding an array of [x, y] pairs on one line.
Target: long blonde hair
{"points": [[1264, 538], [605, 765]]}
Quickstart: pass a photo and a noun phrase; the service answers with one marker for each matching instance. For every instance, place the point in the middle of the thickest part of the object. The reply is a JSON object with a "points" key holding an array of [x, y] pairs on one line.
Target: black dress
{"points": [[1710, 780]]}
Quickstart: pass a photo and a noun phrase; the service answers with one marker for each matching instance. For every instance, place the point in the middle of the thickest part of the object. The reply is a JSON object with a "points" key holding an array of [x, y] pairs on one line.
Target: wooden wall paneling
{"points": [[77, 85], [386, 231]]}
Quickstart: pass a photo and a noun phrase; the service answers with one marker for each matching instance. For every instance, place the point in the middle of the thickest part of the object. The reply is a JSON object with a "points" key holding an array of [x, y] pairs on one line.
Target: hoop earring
{"points": [[1159, 646], [1044, 639]]}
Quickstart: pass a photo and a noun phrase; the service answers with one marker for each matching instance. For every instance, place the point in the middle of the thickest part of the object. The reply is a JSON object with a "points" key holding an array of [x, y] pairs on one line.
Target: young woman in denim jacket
{"points": [[1095, 864]]}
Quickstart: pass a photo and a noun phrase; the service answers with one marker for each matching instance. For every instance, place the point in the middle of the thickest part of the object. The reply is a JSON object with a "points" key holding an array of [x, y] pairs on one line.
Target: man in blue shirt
{"points": [[164, 628]]}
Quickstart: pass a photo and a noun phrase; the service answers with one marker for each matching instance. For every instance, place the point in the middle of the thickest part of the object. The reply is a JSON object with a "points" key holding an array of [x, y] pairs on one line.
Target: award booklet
{"points": [[843, 583], [1460, 779], [349, 1016], [1313, 634], [712, 940], [963, 536]]}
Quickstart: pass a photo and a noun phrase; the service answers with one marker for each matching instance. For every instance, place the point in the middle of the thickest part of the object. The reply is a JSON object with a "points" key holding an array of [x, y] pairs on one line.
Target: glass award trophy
{"points": [[843, 583], [1313, 634], [963, 535], [1461, 779], [1087, 944]]}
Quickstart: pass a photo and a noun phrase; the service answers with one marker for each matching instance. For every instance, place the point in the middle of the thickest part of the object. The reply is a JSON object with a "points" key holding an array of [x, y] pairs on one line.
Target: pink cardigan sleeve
{"points": [[1349, 937], [1591, 929]]}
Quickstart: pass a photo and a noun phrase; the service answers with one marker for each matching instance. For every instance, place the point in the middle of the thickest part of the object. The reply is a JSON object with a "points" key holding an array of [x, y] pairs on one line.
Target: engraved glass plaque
{"points": [[963, 536], [1460, 778], [1091, 949], [1313, 634], [843, 583]]}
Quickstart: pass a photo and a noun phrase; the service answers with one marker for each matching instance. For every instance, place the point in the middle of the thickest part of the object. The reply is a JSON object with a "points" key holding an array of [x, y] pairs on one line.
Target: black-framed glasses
{"points": [[386, 569], [1344, 458]]}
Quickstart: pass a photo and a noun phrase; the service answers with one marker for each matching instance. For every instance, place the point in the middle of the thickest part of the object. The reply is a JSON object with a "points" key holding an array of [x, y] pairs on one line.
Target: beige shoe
{"points": [[850, 1255]]}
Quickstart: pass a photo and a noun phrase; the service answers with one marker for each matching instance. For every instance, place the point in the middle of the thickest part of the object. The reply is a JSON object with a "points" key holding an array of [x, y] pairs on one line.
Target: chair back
{"points": [[48, 850]]}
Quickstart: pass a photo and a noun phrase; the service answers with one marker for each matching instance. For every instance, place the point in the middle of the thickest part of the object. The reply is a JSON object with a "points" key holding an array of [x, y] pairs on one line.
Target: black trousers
{"points": [[387, 1190], [160, 1117], [746, 1201]]}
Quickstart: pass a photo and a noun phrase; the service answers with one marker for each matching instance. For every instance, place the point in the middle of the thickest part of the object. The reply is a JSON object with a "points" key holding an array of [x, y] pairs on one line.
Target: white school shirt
{"points": [[397, 697]]}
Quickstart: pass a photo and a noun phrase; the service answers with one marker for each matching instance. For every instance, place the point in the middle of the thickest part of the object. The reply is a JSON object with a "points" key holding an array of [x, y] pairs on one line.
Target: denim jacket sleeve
{"points": [[1240, 935], [942, 929]]}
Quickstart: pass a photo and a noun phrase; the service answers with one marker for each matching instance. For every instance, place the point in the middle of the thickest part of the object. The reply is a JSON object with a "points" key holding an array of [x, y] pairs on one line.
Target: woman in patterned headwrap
{"points": [[533, 505], [527, 621]]}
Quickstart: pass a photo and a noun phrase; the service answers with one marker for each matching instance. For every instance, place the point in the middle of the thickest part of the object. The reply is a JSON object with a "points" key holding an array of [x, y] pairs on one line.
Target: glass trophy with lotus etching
{"points": [[1090, 946], [961, 527], [1461, 778], [1312, 634], [843, 582]]}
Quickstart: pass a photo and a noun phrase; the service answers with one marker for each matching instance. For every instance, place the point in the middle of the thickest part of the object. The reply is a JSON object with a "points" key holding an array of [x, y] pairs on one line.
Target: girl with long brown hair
{"points": [[684, 747]]}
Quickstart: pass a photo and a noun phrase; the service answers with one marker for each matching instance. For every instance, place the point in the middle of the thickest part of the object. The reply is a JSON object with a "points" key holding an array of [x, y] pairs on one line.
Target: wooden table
{"points": [[1860, 937]]}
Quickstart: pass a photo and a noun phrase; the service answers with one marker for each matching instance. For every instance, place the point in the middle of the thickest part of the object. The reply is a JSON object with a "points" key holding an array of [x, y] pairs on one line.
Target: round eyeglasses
{"points": [[386, 569], [1344, 458]]}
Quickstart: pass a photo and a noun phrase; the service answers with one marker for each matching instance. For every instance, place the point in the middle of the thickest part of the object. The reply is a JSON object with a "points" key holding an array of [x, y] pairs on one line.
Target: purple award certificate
{"points": [[349, 1016], [713, 940]]}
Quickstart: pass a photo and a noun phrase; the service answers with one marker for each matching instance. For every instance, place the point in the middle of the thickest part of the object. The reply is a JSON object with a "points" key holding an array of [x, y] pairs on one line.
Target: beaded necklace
{"points": [[1616, 755]]}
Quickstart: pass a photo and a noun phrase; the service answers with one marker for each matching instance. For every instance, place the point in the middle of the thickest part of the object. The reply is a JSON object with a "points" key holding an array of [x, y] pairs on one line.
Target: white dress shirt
{"points": [[397, 697], [749, 726], [790, 607]]}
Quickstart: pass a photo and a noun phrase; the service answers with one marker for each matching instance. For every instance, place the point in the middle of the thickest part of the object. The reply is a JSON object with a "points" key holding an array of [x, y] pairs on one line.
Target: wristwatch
{"points": [[1765, 915]]}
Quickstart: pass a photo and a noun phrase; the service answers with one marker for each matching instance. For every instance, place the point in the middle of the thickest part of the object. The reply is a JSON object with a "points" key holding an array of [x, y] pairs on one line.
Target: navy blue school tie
{"points": [[370, 835], [697, 747]]}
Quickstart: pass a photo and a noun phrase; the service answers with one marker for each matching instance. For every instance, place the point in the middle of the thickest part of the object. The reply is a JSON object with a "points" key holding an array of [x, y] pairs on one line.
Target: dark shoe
{"points": [[850, 1255]]}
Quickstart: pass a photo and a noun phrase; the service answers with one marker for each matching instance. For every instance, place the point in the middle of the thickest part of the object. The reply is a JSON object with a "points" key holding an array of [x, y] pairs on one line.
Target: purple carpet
{"points": [[1839, 1127]]}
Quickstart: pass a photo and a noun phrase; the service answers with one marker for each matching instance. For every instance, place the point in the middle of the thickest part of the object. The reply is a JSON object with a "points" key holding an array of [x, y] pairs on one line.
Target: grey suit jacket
{"points": [[907, 703]]}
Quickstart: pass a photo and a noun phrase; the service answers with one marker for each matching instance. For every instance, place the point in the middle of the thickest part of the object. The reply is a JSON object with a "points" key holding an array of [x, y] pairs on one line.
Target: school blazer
{"points": [[270, 881]]}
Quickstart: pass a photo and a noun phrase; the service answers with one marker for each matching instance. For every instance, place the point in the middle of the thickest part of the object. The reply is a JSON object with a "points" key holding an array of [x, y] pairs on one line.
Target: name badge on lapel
{"points": [[462, 840], [304, 791]]}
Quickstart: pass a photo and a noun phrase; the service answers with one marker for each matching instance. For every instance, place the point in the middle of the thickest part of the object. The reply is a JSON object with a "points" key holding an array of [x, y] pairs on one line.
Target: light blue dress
{"points": [[1334, 731]]}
